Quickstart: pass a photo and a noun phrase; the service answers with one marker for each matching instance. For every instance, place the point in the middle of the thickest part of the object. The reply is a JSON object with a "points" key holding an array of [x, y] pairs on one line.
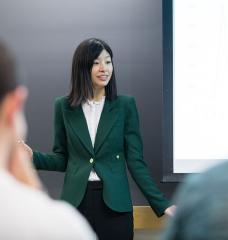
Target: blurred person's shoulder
{"points": [[34, 215]]}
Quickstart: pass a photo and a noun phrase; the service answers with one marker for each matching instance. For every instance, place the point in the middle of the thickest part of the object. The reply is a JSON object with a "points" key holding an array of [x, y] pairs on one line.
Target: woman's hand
{"points": [[20, 166], [170, 211], [26, 148]]}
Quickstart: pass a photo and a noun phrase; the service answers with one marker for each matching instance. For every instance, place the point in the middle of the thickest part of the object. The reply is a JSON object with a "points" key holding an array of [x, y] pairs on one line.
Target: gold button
{"points": [[91, 160], [117, 156]]}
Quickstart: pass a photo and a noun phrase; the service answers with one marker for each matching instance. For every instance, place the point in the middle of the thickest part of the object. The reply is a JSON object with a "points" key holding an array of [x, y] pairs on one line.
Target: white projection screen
{"points": [[199, 51]]}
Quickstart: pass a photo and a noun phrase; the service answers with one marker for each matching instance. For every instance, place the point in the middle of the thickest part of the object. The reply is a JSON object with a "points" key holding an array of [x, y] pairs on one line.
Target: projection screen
{"points": [[195, 34]]}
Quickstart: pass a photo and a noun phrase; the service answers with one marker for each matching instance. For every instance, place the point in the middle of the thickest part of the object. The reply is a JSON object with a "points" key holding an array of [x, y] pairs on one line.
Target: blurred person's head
{"points": [[202, 207], [12, 98]]}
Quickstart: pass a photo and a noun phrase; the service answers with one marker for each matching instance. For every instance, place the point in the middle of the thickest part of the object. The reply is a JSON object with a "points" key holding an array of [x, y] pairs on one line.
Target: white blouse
{"points": [[92, 111]]}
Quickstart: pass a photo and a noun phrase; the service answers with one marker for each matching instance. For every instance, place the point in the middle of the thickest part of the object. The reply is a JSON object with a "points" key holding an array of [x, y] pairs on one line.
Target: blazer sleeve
{"points": [[136, 165], [57, 160]]}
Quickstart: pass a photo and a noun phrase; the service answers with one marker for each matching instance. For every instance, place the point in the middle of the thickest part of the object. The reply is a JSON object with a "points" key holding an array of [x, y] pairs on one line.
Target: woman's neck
{"points": [[98, 94]]}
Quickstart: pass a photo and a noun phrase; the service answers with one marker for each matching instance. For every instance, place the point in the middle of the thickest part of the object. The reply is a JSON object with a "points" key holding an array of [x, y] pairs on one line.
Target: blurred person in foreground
{"points": [[26, 212], [202, 212]]}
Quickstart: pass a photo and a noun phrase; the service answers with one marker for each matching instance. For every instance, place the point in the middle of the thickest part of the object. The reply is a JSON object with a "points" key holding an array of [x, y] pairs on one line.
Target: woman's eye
{"points": [[108, 62], [95, 63]]}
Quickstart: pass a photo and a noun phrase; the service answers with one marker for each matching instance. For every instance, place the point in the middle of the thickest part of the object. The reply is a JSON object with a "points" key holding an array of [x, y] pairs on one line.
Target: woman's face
{"points": [[102, 70]]}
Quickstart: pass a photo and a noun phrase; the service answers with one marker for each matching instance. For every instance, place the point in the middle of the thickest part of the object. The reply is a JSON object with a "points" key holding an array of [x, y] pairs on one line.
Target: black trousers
{"points": [[108, 224]]}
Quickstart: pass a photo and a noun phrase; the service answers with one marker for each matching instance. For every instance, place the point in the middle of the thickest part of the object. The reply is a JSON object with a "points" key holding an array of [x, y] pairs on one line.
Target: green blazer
{"points": [[117, 145]]}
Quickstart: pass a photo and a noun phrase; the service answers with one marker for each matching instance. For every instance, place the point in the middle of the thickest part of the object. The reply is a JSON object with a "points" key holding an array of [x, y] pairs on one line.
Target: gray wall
{"points": [[44, 35]]}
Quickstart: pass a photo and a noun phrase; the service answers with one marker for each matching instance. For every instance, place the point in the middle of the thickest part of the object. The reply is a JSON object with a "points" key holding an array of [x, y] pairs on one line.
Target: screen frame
{"points": [[167, 95]]}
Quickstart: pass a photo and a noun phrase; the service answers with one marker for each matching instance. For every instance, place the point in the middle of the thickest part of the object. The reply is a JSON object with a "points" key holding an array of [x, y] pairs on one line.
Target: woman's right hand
{"points": [[26, 148], [21, 167]]}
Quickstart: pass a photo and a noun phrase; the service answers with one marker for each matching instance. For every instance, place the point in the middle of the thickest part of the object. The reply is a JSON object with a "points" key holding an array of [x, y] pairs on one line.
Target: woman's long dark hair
{"points": [[81, 82]]}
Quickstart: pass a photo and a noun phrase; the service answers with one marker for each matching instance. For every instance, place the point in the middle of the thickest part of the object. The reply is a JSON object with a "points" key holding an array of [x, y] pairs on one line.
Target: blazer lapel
{"points": [[107, 120], [78, 124]]}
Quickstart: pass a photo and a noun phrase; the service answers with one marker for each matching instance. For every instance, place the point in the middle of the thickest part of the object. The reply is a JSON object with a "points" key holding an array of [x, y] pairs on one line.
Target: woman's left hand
{"points": [[170, 211]]}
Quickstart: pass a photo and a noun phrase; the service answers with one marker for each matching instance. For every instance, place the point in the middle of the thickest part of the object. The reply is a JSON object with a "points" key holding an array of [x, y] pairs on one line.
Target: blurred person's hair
{"points": [[202, 207], [8, 81]]}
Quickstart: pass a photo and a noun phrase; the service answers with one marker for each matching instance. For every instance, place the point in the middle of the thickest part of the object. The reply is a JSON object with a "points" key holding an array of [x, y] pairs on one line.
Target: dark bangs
{"points": [[81, 82]]}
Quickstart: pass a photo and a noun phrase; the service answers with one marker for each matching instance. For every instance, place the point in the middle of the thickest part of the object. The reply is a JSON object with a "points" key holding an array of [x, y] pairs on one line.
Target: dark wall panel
{"points": [[44, 35]]}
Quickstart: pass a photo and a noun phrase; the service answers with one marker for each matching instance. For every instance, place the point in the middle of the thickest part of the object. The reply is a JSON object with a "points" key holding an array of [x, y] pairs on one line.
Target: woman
{"points": [[96, 136]]}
